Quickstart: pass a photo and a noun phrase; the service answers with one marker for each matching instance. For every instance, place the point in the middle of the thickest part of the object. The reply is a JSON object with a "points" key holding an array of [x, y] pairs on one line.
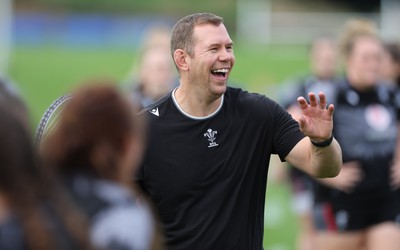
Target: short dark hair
{"points": [[182, 32]]}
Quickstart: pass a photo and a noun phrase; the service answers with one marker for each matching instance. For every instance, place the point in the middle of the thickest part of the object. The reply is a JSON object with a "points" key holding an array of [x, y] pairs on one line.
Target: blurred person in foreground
{"points": [[155, 75], [35, 213], [206, 163], [96, 148], [323, 77], [359, 208]]}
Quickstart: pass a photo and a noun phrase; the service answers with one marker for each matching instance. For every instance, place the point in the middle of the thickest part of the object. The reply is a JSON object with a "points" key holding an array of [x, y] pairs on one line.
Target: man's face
{"points": [[212, 59]]}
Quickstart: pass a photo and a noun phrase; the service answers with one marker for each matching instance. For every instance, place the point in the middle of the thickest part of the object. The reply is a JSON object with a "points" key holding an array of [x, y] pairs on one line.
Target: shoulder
{"points": [[251, 105], [163, 101], [242, 97]]}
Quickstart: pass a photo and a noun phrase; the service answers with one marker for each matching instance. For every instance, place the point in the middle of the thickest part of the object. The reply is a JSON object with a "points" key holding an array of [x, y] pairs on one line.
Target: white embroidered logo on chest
{"points": [[211, 136]]}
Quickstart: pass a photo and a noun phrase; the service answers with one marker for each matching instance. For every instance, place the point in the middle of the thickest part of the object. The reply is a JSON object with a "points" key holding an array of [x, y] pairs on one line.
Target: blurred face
{"points": [[212, 59], [323, 59], [364, 63], [157, 73]]}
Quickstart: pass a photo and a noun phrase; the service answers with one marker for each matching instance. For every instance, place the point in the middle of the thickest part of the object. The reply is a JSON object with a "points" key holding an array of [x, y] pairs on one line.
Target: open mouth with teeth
{"points": [[220, 73]]}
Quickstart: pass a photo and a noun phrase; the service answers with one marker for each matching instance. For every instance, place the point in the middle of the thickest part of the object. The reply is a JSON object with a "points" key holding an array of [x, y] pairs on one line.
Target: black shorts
{"points": [[354, 212]]}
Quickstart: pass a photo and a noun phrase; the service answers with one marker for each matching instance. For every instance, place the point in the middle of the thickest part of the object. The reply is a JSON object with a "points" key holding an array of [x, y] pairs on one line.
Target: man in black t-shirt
{"points": [[209, 145]]}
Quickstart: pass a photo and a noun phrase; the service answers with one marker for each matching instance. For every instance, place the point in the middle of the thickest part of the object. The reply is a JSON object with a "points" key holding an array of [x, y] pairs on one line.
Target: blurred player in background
{"points": [[391, 63], [323, 64], [359, 208], [35, 213], [391, 75], [96, 148], [154, 75]]}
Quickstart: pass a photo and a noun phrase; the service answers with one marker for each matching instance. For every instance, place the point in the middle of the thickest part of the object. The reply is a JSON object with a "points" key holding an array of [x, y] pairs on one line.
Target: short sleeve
{"points": [[286, 132]]}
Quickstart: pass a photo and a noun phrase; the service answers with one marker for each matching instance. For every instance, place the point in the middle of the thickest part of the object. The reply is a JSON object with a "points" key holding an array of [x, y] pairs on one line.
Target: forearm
{"points": [[325, 161]]}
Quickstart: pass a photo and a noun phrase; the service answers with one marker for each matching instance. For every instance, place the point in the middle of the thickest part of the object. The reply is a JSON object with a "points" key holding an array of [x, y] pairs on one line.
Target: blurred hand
{"points": [[350, 175], [395, 175], [316, 119]]}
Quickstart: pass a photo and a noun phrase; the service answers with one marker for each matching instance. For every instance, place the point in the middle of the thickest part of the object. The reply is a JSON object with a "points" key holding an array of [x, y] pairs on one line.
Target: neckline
{"points": [[192, 116]]}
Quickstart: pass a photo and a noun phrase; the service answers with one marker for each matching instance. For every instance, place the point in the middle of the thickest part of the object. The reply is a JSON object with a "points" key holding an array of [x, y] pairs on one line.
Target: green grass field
{"points": [[44, 73]]}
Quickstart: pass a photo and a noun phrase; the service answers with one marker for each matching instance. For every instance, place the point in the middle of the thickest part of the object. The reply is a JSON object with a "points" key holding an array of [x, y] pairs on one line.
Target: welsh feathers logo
{"points": [[211, 137]]}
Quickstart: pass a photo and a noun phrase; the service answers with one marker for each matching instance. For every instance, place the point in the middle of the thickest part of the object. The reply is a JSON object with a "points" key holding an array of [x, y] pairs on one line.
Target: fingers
{"points": [[331, 109], [302, 102], [314, 101], [302, 123]]}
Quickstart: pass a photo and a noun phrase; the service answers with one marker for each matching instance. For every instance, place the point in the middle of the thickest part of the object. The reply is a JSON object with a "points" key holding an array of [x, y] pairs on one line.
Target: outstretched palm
{"points": [[316, 120]]}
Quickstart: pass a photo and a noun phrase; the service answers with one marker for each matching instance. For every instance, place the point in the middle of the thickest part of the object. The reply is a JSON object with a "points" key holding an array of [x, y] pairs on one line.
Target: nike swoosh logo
{"points": [[155, 112]]}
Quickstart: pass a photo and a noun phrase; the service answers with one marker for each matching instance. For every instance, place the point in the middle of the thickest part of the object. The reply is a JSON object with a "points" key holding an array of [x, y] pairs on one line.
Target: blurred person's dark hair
{"points": [[46, 217], [93, 131], [353, 30]]}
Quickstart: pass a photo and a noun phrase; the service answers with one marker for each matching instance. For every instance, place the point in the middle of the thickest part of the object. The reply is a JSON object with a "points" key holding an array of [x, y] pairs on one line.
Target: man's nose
{"points": [[225, 55]]}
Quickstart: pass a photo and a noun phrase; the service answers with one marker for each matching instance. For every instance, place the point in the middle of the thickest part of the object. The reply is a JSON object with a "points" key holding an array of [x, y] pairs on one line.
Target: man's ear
{"points": [[181, 59]]}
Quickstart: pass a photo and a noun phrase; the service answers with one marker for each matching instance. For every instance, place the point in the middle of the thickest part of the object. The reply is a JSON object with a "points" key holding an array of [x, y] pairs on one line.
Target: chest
{"points": [[192, 155], [366, 129]]}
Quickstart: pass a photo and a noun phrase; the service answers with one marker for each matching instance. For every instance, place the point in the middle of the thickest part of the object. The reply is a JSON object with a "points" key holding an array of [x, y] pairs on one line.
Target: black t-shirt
{"points": [[207, 176]]}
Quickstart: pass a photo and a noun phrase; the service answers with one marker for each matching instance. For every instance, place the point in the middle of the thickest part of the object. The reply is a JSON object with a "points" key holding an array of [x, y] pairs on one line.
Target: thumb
{"points": [[302, 122]]}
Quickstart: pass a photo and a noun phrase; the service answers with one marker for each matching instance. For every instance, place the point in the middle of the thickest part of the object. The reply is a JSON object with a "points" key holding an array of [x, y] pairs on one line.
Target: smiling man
{"points": [[209, 145]]}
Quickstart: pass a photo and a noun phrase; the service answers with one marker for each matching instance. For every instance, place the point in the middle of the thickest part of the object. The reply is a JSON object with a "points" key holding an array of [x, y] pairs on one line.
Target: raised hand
{"points": [[316, 119]]}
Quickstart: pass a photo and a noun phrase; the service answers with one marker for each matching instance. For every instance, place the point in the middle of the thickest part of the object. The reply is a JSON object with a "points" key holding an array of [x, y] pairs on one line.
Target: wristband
{"points": [[323, 143]]}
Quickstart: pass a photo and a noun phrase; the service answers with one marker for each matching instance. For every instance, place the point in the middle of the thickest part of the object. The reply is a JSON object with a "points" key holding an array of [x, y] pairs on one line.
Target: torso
{"points": [[207, 176]]}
